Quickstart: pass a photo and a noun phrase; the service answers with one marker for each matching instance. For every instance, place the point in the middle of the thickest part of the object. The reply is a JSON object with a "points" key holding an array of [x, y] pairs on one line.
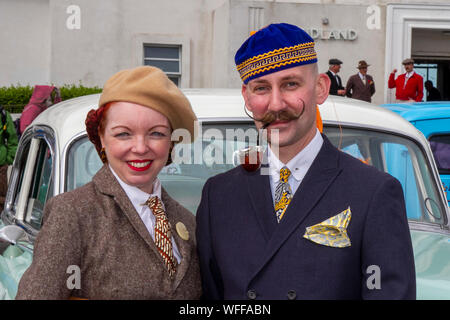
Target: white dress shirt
{"points": [[138, 198], [363, 77], [299, 165], [407, 76]]}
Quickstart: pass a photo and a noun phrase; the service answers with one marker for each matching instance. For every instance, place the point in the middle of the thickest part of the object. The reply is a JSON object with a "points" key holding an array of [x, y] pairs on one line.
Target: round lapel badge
{"points": [[182, 231]]}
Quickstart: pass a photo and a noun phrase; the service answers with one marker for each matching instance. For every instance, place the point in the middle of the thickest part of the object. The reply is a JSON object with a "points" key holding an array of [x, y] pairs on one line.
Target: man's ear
{"points": [[244, 95], [322, 88]]}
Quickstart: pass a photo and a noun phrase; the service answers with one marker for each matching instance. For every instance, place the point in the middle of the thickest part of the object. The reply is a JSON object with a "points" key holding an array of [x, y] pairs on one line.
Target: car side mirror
{"points": [[11, 234]]}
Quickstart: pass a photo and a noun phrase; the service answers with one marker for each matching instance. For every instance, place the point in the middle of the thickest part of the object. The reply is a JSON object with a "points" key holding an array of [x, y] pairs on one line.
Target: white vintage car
{"points": [[55, 156]]}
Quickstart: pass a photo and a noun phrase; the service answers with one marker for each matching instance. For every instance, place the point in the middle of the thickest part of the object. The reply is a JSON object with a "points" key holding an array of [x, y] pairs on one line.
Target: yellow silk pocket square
{"points": [[331, 232]]}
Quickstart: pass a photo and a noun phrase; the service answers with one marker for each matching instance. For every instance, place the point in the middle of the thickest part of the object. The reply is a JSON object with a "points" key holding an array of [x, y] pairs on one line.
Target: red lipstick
{"points": [[139, 165]]}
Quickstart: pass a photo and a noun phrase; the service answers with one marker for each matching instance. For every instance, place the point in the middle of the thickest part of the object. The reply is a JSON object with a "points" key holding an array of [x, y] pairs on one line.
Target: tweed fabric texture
{"points": [[97, 228]]}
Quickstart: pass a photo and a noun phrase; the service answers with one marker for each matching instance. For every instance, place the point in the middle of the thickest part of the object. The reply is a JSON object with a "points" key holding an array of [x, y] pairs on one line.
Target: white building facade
{"points": [[85, 42]]}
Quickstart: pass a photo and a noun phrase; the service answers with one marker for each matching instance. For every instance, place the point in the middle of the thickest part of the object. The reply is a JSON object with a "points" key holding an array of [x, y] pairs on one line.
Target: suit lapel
{"points": [[333, 79], [362, 81], [107, 184], [318, 179], [184, 246], [259, 192]]}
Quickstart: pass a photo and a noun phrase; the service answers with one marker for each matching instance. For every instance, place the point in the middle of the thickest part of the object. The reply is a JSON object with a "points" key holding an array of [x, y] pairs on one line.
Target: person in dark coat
{"points": [[361, 85], [312, 222], [336, 87], [433, 93]]}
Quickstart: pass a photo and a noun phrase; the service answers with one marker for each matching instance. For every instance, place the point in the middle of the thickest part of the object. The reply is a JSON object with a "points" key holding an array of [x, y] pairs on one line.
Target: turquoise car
{"points": [[55, 156], [433, 120]]}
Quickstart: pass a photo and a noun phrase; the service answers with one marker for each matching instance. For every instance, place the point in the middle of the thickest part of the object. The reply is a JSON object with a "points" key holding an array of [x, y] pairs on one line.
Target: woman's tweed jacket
{"points": [[96, 228]]}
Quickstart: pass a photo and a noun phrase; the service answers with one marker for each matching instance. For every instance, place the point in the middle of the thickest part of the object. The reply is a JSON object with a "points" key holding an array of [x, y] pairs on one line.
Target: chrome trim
{"points": [[35, 131], [428, 227]]}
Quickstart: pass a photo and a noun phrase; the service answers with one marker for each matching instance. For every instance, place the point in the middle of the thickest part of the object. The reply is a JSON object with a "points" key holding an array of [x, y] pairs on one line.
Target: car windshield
{"points": [[215, 153]]}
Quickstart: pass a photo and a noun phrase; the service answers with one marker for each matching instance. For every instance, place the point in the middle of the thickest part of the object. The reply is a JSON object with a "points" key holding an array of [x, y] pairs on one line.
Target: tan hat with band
{"points": [[150, 87]]}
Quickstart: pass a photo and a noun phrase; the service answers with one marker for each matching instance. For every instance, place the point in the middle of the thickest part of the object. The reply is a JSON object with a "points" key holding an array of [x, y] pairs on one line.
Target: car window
{"points": [[82, 163], [440, 145], [34, 183], [185, 177], [195, 163], [401, 158]]}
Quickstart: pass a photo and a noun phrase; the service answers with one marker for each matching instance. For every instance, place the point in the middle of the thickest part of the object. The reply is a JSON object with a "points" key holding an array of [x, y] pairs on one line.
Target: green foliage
{"points": [[15, 98], [72, 91]]}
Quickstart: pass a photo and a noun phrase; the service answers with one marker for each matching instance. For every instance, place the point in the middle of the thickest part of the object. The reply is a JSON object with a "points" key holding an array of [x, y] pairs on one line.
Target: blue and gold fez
{"points": [[273, 48]]}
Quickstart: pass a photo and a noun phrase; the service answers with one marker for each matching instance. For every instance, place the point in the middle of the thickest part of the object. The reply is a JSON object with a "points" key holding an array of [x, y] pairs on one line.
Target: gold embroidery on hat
{"points": [[276, 58]]}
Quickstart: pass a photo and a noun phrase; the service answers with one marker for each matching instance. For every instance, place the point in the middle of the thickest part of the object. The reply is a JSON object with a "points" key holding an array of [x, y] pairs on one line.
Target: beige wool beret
{"points": [[150, 87]]}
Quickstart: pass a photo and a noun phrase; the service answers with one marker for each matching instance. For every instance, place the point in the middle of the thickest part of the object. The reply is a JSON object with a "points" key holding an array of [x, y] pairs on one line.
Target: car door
{"points": [[31, 184], [32, 180]]}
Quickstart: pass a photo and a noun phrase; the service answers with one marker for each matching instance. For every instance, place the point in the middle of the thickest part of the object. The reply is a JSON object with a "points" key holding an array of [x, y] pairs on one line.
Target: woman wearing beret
{"points": [[121, 236]]}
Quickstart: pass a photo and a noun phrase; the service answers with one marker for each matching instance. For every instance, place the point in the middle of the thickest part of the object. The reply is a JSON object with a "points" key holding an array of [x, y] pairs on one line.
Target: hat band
{"points": [[276, 59]]}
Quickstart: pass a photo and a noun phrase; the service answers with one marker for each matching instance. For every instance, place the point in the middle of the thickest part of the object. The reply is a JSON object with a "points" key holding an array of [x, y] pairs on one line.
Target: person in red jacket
{"points": [[409, 85]]}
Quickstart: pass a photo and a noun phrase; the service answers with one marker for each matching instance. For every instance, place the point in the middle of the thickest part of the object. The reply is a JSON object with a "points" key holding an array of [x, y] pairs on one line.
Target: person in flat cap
{"points": [[409, 85], [311, 221], [125, 235], [336, 87], [361, 85]]}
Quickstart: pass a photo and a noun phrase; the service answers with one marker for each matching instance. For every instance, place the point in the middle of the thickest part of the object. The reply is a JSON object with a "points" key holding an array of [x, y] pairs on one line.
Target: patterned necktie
{"points": [[283, 193], [162, 234]]}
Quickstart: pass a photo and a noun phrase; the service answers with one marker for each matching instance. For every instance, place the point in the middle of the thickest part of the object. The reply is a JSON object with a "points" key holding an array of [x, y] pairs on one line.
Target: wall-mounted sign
{"points": [[317, 33]]}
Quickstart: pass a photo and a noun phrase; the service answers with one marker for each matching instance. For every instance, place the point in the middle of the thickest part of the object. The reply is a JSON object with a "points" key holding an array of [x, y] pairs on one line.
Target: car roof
{"points": [[228, 104], [421, 110]]}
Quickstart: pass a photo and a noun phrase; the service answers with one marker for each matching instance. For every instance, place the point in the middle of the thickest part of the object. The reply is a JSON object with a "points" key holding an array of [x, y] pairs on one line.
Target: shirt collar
{"points": [[298, 165], [409, 74], [136, 195], [361, 75]]}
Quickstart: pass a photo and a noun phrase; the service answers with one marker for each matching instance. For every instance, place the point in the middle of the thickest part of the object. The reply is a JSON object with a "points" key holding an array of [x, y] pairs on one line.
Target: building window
{"points": [[428, 72], [165, 57]]}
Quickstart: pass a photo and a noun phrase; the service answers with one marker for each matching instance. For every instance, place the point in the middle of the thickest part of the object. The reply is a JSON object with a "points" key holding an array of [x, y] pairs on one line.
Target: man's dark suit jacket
{"points": [[357, 89], [245, 254], [334, 84]]}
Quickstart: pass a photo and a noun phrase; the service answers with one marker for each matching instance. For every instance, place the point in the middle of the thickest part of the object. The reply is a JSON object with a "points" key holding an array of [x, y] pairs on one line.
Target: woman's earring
{"points": [[103, 155]]}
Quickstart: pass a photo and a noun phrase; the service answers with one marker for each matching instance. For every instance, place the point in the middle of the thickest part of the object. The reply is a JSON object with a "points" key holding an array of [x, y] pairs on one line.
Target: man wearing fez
{"points": [[409, 85], [361, 86], [336, 87], [318, 223]]}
